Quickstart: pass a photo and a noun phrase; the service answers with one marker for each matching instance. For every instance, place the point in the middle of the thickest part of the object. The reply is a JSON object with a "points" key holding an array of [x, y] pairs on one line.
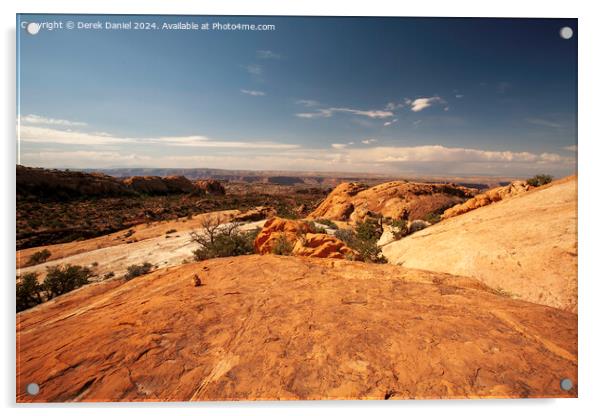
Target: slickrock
{"points": [[354, 202], [525, 246], [302, 239], [280, 328], [488, 197]]}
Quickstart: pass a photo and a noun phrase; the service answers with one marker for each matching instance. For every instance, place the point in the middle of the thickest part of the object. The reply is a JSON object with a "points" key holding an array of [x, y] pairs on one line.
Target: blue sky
{"points": [[399, 96]]}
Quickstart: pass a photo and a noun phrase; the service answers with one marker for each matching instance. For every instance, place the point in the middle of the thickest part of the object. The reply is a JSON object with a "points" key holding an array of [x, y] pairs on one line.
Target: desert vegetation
{"points": [[59, 280], [219, 239], [539, 180], [39, 257], [136, 270], [363, 239]]}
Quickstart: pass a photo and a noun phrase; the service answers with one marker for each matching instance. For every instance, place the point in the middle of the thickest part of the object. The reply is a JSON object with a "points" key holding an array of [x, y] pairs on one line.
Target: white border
{"points": [[590, 203]]}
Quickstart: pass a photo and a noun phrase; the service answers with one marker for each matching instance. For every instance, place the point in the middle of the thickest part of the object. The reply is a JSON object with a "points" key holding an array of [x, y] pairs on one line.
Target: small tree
{"points": [[539, 180], [29, 292], [39, 257], [63, 279], [218, 239], [136, 270]]}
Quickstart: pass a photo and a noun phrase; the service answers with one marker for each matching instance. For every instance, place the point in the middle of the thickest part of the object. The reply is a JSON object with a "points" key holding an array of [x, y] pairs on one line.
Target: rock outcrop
{"points": [[211, 186], [525, 246], [65, 184], [156, 185], [299, 238], [354, 202], [488, 197], [255, 214], [282, 328]]}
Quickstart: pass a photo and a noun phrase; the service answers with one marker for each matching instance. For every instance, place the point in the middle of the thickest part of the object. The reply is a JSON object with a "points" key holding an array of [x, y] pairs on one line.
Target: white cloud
{"points": [[459, 95], [369, 141], [254, 69], [254, 93], [420, 104], [35, 119], [307, 103], [388, 123], [391, 106], [542, 122], [45, 135], [338, 145], [36, 134], [571, 148], [328, 112], [267, 54]]}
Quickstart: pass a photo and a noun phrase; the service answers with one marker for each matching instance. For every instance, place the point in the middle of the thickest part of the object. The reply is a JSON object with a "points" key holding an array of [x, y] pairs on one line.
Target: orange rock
{"points": [[324, 246], [277, 228], [354, 202], [211, 186], [302, 239], [486, 198], [285, 327]]}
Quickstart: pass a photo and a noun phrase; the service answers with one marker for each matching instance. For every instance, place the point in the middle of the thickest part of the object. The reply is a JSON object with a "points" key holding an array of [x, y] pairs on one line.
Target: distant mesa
{"points": [[67, 184]]}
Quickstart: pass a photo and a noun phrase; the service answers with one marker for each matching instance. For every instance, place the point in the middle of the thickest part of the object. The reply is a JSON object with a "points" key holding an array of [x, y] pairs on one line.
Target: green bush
{"points": [[432, 217], [29, 292], [63, 279], [282, 247], [400, 228], [327, 222], [136, 270], [363, 240], [224, 241], [539, 180], [39, 257]]}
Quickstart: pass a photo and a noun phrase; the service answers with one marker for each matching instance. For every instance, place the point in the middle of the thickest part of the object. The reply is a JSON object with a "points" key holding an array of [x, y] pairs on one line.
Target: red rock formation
{"points": [[302, 240], [152, 185], [488, 197], [65, 184], [354, 203], [285, 328], [178, 184], [211, 186]]}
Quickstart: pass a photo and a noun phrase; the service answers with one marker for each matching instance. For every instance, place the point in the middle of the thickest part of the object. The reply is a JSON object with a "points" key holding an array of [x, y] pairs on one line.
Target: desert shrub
{"points": [[222, 240], [539, 180], [432, 217], [173, 230], [129, 233], [63, 279], [282, 246], [136, 270], [39, 257], [29, 292], [327, 222], [363, 240], [108, 275], [399, 228]]}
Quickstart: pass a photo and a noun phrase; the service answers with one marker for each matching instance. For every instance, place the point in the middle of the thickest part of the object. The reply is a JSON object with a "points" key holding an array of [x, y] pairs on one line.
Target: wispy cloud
{"points": [[571, 148], [253, 93], [308, 103], [267, 54], [35, 119], [339, 145], [459, 95], [388, 123], [422, 103], [543, 122], [369, 141], [392, 106], [328, 112], [254, 69], [34, 134]]}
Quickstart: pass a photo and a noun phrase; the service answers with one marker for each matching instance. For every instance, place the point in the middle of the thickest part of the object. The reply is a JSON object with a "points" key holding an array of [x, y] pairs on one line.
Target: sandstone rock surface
{"points": [[301, 238], [488, 197], [354, 202], [525, 246], [211, 186], [280, 328]]}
